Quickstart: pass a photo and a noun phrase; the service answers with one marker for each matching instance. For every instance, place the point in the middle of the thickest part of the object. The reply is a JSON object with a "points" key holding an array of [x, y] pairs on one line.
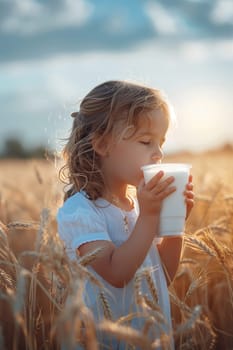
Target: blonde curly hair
{"points": [[109, 107]]}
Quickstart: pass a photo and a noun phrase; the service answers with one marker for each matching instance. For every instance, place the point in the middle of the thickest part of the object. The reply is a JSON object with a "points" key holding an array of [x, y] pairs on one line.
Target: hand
{"points": [[189, 196], [151, 195]]}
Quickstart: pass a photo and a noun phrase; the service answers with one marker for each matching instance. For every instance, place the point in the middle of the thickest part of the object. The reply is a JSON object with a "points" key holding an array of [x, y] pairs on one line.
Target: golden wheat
{"points": [[105, 305], [41, 290]]}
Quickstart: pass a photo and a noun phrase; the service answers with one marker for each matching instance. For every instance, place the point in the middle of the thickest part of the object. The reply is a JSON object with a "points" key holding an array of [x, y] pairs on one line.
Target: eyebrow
{"points": [[148, 133], [145, 133]]}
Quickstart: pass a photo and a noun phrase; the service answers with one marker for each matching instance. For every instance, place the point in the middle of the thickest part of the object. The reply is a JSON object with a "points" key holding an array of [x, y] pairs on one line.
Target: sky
{"points": [[53, 52]]}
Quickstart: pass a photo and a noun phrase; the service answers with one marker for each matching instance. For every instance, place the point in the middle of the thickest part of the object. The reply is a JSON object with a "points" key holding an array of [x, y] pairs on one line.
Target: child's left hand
{"points": [[189, 196]]}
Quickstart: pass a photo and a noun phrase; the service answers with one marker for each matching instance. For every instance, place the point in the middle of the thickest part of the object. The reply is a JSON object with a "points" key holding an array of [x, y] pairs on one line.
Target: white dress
{"points": [[81, 220]]}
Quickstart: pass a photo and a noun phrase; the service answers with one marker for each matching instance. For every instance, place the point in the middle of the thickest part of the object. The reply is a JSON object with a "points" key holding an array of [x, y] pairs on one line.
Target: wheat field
{"points": [[40, 290]]}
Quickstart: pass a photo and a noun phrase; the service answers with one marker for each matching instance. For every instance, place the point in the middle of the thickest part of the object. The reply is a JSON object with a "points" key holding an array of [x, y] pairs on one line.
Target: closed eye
{"points": [[145, 142]]}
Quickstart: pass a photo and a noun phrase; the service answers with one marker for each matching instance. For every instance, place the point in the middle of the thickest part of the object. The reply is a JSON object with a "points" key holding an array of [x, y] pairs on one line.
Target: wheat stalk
{"points": [[152, 287], [140, 274], [150, 303], [193, 286], [129, 317], [105, 305], [90, 340], [137, 287], [84, 273], [3, 234], [220, 229], [180, 303], [6, 281], [188, 261], [22, 225], [199, 243], [126, 334], [163, 342], [43, 224], [182, 272], [213, 337], [219, 251], [147, 325], [188, 345], [90, 257], [156, 313], [195, 315], [38, 175]]}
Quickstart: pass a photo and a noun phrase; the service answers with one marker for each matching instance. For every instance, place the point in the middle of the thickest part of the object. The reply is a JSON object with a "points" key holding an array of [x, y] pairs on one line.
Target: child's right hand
{"points": [[151, 195]]}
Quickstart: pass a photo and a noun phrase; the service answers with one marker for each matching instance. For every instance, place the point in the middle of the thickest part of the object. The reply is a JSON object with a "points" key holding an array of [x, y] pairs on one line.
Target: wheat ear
{"points": [[125, 333], [152, 287], [90, 257], [199, 243], [105, 305]]}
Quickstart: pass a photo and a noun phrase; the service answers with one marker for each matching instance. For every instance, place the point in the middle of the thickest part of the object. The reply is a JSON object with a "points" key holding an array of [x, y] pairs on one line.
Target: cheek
{"points": [[135, 168]]}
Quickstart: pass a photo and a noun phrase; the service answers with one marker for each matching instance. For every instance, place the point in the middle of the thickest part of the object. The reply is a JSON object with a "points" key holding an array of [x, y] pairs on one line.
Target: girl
{"points": [[120, 127]]}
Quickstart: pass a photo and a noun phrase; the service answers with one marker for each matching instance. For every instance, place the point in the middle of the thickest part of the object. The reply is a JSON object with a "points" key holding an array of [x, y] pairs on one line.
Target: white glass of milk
{"points": [[173, 212]]}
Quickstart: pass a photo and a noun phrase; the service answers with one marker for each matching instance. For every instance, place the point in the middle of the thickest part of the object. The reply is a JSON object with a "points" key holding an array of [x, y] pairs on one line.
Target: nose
{"points": [[157, 155]]}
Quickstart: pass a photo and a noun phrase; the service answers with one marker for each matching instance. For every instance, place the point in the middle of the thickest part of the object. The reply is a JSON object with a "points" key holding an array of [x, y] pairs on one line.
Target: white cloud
{"points": [[225, 49], [45, 92], [223, 12], [204, 50], [195, 51], [29, 16], [163, 21], [28, 7]]}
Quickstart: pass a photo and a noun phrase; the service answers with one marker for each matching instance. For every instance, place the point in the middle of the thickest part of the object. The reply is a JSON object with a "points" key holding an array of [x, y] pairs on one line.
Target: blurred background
{"points": [[53, 52]]}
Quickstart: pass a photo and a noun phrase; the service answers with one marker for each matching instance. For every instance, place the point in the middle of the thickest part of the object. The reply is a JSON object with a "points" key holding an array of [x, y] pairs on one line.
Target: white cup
{"points": [[173, 212]]}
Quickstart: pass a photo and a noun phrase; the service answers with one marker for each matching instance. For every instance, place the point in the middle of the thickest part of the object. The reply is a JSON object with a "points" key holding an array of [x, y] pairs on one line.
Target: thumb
{"points": [[141, 185]]}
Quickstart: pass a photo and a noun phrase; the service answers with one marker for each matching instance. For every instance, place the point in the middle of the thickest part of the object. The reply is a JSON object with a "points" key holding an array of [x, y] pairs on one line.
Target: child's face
{"points": [[126, 157]]}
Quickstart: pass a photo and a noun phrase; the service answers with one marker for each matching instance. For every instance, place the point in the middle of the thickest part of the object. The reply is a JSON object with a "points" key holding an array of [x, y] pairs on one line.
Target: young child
{"points": [[120, 127]]}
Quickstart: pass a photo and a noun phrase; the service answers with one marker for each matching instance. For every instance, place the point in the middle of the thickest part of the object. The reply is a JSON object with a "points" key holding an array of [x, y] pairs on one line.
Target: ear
{"points": [[101, 145]]}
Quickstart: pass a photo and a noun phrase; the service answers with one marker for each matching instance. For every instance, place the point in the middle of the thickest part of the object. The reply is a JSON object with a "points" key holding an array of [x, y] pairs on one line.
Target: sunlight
{"points": [[205, 115]]}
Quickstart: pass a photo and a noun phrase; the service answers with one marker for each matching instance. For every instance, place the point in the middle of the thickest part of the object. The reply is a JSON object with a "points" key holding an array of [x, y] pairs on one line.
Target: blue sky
{"points": [[53, 52]]}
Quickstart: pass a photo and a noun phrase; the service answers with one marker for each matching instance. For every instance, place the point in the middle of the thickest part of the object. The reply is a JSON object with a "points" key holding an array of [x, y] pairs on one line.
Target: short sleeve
{"points": [[81, 225], [158, 240]]}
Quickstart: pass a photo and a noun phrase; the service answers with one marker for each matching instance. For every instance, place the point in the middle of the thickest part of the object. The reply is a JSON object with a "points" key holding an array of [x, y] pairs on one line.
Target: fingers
{"points": [[163, 185], [164, 192], [158, 188], [189, 186], [156, 185], [189, 202], [189, 194], [189, 206], [154, 181]]}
